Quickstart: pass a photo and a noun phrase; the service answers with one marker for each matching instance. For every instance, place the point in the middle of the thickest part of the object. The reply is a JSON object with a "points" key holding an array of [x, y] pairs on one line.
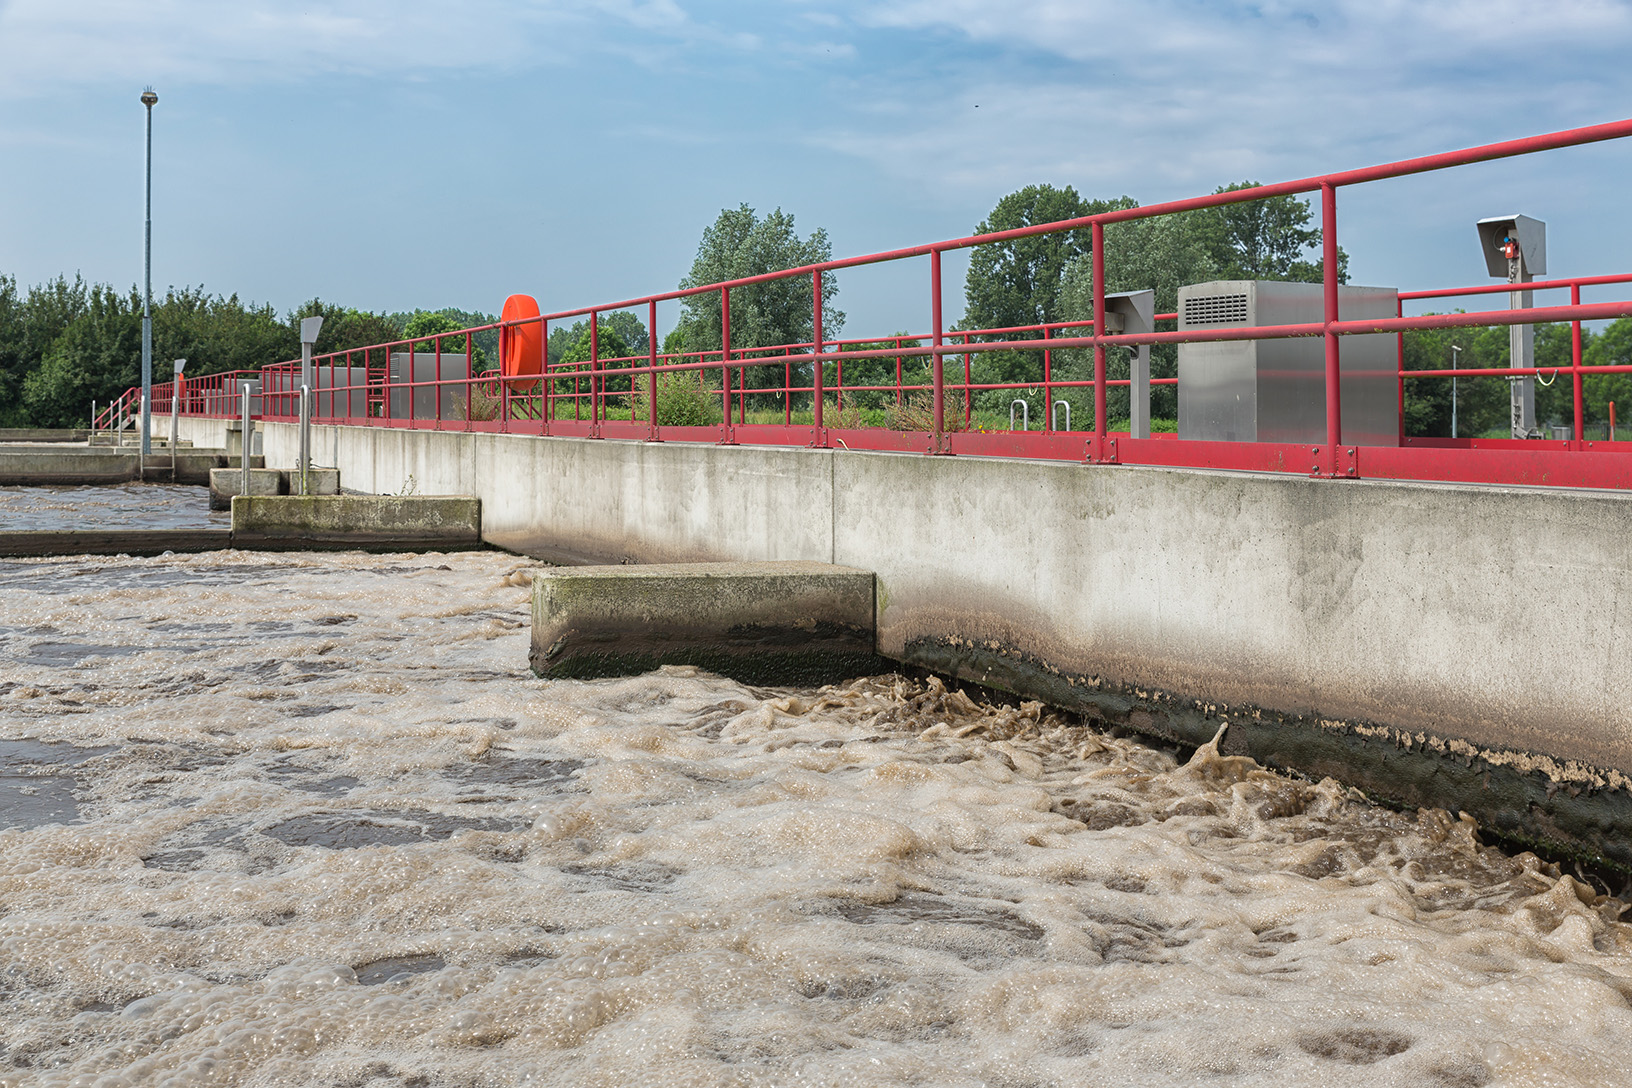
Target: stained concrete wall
{"points": [[1337, 625]]}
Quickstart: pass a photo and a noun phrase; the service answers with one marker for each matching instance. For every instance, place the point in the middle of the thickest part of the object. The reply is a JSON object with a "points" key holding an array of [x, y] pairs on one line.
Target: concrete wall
{"points": [[1338, 626]]}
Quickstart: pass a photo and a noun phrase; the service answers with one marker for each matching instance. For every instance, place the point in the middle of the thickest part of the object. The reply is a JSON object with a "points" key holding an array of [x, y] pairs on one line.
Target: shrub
{"points": [[684, 399]]}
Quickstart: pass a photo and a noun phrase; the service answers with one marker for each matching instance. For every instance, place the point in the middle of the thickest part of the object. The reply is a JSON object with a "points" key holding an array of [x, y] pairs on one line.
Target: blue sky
{"points": [[393, 154]]}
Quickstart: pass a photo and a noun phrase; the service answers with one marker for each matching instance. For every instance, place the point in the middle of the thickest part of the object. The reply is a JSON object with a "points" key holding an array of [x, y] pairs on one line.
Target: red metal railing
{"points": [[362, 388]]}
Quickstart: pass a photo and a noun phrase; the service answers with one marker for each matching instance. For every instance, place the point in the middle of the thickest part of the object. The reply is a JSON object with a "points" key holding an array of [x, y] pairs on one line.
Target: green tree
{"points": [[98, 356], [878, 370], [1267, 239], [343, 328], [609, 345], [1018, 281], [739, 244], [485, 342], [1611, 347], [630, 329], [1159, 254], [29, 324], [216, 334]]}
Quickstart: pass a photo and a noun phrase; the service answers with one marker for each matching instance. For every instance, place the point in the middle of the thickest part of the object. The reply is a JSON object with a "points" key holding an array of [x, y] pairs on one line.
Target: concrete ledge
{"points": [[43, 465], [43, 434], [787, 623], [367, 522], [227, 482], [35, 466], [323, 481], [111, 542]]}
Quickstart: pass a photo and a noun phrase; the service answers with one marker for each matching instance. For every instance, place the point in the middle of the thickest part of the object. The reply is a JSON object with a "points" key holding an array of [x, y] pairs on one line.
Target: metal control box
{"points": [[427, 368], [349, 396], [1275, 390]]}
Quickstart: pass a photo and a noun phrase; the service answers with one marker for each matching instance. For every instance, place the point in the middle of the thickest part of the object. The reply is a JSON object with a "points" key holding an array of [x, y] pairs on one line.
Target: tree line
{"points": [[65, 343]]}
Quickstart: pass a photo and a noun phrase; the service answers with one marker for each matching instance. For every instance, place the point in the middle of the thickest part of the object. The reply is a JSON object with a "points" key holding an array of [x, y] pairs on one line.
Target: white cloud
{"points": [[1197, 93], [48, 44]]}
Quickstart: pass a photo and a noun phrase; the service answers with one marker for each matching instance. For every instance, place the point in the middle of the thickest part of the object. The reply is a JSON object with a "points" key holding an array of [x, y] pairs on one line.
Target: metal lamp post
{"points": [[149, 99]]}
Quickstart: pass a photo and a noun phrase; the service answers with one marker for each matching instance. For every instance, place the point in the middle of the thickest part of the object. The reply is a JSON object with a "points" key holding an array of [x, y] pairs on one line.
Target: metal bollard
{"points": [[305, 439], [244, 435], [175, 423]]}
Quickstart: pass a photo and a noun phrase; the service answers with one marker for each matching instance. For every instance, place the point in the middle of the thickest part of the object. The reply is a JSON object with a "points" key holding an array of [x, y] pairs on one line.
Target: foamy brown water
{"points": [[302, 820]]}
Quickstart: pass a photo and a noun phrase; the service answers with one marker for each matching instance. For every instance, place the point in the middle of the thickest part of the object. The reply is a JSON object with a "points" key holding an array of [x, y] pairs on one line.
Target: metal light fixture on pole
{"points": [[149, 99], [1516, 248], [1454, 349], [309, 328]]}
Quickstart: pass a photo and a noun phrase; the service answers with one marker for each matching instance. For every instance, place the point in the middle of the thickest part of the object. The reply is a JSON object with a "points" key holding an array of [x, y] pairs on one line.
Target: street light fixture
{"points": [[149, 99]]}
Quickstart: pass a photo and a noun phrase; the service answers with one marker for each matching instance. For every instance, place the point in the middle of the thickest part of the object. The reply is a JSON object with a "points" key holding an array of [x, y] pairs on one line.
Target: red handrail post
{"points": [[438, 343], [898, 373], [651, 371], [1329, 464], [1101, 452], [594, 374], [1399, 367], [727, 435], [1048, 385], [819, 438], [968, 381], [1575, 373], [937, 443], [546, 384]]}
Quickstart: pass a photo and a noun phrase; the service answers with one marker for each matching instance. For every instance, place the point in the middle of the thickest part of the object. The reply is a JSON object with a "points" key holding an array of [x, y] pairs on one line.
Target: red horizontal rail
{"points": [[586, 387]]}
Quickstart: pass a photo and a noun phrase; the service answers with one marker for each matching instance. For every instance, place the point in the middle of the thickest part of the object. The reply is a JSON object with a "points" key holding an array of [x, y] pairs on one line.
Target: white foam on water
{"points": [[336, 834]]}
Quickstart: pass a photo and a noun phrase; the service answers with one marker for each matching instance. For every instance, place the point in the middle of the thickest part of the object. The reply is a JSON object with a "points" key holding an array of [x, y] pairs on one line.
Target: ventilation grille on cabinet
{"points": [[1215, 310]]}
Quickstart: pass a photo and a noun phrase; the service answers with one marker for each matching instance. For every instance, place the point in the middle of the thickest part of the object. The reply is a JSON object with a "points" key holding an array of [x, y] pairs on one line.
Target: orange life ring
{"points": [[521, 347]]}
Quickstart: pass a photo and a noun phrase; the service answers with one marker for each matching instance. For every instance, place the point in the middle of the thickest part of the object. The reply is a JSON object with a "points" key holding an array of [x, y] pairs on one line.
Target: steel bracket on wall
{"points": [[1107, 456], [1345, 466]]}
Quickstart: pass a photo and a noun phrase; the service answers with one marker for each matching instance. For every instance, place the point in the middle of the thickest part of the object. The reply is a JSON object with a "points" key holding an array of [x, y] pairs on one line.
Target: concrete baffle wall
{"points": [[798, 624], [370, 522]]}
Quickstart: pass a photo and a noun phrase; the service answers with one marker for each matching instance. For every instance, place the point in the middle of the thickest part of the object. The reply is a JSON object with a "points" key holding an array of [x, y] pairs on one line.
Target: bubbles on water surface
{"points": [[312, 823]]}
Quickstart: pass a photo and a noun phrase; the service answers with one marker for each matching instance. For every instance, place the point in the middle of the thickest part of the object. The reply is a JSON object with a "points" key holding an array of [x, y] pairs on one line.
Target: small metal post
{"points": [[305, 438], [1521, 353], [1138, 392], [1025, 414], [309, 328], [245, 435]]}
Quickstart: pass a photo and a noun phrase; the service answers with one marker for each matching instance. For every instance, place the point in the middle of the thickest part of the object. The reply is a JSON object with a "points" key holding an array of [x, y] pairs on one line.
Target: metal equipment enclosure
{"points": [[350, 396], [1275, 390], [427, 370]]}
